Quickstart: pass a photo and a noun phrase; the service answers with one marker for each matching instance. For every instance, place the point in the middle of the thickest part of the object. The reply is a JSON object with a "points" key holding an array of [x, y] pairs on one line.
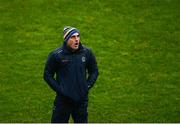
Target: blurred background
{"points": [[136, 43]]}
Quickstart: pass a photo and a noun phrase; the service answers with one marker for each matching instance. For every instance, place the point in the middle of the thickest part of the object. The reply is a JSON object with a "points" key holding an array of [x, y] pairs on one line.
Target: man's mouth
{"points": [[76, 44]]}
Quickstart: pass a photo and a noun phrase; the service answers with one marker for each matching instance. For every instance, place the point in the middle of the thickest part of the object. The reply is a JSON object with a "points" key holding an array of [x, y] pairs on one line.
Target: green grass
{"points": [[136, 43]]}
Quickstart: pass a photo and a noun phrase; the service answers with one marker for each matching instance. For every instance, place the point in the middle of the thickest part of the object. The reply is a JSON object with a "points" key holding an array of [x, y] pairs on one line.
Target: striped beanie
{"points": [[68, 32]]}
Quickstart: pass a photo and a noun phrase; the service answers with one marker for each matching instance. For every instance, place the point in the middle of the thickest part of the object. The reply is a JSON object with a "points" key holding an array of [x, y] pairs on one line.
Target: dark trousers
{"points": [[64, 107]]}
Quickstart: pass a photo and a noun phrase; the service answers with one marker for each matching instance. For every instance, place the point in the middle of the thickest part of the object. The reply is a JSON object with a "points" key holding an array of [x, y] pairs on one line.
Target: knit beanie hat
{"points": [[68, 32]]}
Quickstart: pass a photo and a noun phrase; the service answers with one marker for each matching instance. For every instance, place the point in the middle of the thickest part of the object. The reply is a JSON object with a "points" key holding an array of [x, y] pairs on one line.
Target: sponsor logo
{"points": [[64, 60]]}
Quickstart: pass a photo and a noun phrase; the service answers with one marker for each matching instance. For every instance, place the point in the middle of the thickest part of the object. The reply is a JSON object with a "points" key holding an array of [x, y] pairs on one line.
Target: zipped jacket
{"points": [[71, 74]]}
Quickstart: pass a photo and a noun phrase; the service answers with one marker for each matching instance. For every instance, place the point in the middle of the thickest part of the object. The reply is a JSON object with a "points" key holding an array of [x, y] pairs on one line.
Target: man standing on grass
{"points": [[75, 69]]}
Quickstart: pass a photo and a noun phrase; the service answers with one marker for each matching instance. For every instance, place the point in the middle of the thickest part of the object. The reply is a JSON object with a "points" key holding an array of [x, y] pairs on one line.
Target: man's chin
{"points": [[75, 48]]}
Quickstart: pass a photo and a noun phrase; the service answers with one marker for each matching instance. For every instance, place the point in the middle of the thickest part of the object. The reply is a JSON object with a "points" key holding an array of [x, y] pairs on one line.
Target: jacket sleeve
{"points": [[49, 72], [92, 70]]}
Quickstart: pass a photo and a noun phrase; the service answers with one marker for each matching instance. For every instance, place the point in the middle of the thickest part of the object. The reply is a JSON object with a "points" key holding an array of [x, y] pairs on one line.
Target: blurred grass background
{"points": [[136, 43]]}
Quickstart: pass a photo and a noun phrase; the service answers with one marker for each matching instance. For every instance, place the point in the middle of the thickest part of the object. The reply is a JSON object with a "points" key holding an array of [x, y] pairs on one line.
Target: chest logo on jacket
{"points": [[83, 59]]}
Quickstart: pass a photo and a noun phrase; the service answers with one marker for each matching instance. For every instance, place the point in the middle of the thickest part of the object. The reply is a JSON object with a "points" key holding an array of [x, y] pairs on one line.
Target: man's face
{"points": [[73, 41]]}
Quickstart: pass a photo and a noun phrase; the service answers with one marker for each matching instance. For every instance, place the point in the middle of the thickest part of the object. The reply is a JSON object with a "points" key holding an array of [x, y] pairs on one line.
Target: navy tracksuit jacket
{"points": [[71, 74]]}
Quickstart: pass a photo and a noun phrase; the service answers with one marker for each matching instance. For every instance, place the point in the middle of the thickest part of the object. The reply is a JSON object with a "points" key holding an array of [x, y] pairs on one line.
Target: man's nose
{"points": [[76, 38]]}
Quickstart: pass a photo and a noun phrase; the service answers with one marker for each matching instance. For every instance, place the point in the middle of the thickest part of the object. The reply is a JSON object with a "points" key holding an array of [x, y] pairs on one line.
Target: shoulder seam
{"points": [[58, 50]]}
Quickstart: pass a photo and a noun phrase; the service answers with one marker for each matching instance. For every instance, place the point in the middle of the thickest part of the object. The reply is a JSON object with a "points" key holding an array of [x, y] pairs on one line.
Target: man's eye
{"points": [[74, 36]]}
